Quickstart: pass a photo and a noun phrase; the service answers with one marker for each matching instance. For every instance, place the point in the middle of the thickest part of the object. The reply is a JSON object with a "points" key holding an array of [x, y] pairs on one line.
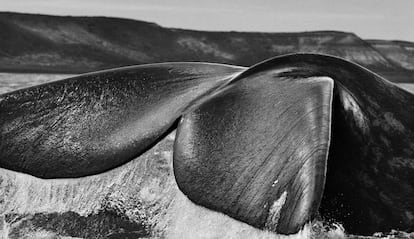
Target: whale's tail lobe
{"points": [[300, 133], [95, 122], [257, 150]]}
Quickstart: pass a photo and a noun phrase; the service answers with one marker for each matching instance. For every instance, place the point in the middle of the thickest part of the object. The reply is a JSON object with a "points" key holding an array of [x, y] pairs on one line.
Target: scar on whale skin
{"points": [[274, 213]]}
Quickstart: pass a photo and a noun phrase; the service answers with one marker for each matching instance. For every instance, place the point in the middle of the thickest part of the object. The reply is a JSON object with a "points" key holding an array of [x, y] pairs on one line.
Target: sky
{"points": [[370, 19]]}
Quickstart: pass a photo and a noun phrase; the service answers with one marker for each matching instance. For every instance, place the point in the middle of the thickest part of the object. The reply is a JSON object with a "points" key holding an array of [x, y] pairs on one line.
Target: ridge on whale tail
{"points": [[268, 145]]}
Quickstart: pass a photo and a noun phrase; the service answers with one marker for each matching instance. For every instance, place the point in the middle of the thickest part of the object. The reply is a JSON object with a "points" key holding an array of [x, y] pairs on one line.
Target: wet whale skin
{"points": [[269, 145]]}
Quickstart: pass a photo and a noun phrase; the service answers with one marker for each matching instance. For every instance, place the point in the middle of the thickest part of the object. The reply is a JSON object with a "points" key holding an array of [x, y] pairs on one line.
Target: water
{"points": [[409, 87], [12, 81]]}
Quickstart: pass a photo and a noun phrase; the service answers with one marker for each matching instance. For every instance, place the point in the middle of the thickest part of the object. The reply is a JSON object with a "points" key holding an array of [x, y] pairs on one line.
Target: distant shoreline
{"points": [[38, 70], [391, 76]]}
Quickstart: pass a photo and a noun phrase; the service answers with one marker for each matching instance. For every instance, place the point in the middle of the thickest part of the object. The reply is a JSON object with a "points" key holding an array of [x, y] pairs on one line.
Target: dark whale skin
{"points": [[94, 122], [370, 166], [301, 133], [243, 149], [370, 176]]}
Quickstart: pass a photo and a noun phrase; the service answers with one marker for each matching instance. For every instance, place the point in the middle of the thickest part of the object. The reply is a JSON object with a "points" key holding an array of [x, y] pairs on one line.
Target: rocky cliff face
{"points": [[39, 43], [398, 52]]}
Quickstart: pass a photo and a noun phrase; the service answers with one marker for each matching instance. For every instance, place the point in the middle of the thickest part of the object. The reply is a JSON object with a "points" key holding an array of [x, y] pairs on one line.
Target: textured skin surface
{"points": [[94, 122], [241, 150], [252, 145], [370, 175], [222, 147]]}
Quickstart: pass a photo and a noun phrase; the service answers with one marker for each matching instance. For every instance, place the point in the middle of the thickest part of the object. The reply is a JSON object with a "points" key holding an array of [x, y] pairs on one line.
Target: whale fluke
{"points": [[94, 122], [263, 141], [257, 150], [270, 145]]}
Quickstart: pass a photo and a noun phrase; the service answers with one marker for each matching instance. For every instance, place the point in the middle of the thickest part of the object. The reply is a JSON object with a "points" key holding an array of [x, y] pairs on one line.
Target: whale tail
{"points": [[257, 151], [300, 131], [268, 145], [94, 122]]}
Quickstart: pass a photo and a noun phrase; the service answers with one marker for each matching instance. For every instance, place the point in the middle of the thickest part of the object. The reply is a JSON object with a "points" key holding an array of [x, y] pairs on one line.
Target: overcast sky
{"points": [[380, 19]]}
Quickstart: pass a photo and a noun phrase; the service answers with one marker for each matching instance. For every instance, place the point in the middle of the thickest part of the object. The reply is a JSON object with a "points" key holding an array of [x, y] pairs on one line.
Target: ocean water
{"points": [[407, 86], [143, 190]]}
